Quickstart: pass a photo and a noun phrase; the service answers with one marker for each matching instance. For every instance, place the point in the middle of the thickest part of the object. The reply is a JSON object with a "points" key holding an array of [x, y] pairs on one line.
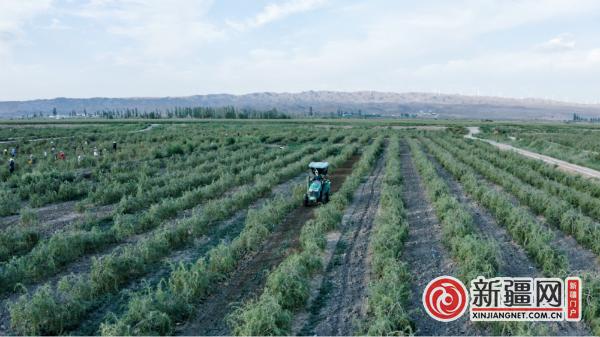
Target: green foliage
{"points": [[523, 227], [176, 295], [563, 206], [474, 254], [389, 289], [9, 202], [288, 285], [28, 217], [264, 317]]}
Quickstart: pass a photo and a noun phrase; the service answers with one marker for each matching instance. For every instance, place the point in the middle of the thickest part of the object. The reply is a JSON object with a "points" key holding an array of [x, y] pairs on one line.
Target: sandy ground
{"points": [[561, 164]]}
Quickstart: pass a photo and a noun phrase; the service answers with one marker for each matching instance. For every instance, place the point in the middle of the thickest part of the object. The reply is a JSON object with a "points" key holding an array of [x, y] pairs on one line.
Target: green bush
{"points": [[289, 284], [523, 227], [474, 254], [264, 317], [389, 289], [9, 203]]}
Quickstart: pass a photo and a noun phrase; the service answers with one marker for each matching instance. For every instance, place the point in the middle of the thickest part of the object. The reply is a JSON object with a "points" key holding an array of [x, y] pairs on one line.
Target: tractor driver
{"points": [[317, 176]]}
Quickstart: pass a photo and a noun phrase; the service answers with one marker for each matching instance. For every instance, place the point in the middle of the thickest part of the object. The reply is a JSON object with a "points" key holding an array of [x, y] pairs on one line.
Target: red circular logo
{"points": [[445, 298]]}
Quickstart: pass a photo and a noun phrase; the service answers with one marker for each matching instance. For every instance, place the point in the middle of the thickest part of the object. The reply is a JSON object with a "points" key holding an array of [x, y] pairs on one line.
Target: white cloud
{"points": [[277, 11], [561, 43]]}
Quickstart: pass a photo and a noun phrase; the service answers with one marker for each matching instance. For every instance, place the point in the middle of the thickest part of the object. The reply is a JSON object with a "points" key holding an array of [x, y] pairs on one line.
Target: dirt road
{"points": [[146, 129], [561, 164]]}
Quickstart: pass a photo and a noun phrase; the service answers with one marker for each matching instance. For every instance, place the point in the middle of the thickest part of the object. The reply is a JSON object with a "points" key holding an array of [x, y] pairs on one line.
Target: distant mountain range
{"points": [[387, 104]]}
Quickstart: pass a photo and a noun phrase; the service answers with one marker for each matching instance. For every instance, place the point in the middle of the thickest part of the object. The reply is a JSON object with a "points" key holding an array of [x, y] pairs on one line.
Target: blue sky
{"points": [[90, 48]]}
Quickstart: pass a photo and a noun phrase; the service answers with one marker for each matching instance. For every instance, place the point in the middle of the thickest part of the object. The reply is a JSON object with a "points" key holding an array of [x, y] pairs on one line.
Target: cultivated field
{"points": [[199, 228]]}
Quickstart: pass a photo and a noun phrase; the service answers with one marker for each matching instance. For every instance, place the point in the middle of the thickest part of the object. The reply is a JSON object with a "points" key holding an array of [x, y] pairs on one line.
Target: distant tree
{"points": [[54, 113]]}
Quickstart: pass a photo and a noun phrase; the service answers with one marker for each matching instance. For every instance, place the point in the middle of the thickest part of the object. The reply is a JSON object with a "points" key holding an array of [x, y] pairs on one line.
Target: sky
{"points": [[124, 48]]}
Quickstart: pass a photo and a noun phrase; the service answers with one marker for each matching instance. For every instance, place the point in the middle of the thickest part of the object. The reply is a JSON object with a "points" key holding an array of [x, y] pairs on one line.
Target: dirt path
{"points": [[148, 128], [425, 254], [561, 164], [44, 213], [249, 278], [342, 295], [54, 217]]}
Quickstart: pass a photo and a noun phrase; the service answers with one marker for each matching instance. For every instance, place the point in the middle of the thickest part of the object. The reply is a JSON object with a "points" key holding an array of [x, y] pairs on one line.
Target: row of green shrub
{"points": [[520, 224], [287, 287], [19, 238], [173, 300], [186, 177], [197, 152], [9, 202], [474, 254], [128, 224], [389, 289], [523, 228], [591, 301], [16, 236], [551, 145], [528, 171], [75, 296], [111, 189], [574, 181], [63, 247], [16, 241], [556, 211], [50, 180], [154, 311]]}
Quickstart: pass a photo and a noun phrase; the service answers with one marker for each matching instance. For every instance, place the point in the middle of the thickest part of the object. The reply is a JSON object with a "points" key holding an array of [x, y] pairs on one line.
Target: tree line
{"points": [[228, 112]]}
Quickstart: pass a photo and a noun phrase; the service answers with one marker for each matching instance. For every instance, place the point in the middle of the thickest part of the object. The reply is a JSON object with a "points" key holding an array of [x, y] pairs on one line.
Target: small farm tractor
{"points": [[318, 185]]}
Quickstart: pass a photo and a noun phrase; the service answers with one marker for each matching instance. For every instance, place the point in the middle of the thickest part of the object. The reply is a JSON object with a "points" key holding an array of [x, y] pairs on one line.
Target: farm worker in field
{"points": [[31, 159], [13, 152], [11, 165], [5, 152], [79, 159], [115, 146], [45, 154], [61, 155], [95, 152]]}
